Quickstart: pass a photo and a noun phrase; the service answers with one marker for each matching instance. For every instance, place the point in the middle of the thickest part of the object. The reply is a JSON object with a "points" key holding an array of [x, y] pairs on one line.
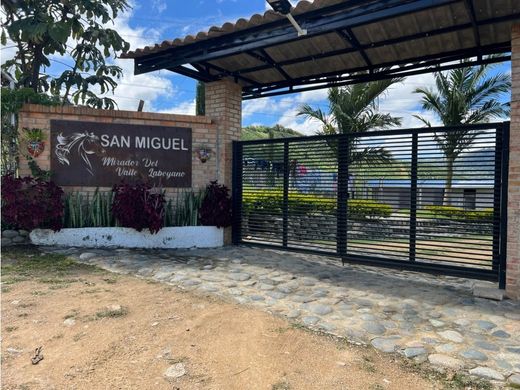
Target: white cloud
{"points": [[184, 108]]}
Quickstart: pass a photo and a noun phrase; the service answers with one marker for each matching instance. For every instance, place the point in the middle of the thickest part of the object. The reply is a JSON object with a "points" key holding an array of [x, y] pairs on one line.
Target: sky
{"points": [[152, 21]]}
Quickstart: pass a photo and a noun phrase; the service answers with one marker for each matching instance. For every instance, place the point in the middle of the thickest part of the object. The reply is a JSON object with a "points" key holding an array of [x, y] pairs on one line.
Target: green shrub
{"points": [[84, 211], [271, 202], [460, 214]]}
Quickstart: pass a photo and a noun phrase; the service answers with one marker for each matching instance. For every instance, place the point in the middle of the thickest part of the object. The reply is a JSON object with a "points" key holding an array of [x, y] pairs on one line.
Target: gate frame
{"points": [[500, 203]]}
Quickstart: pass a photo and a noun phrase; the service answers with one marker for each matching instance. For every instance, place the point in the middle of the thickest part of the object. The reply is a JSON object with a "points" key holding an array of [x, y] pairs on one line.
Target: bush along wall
{"points": [[30, 203]]}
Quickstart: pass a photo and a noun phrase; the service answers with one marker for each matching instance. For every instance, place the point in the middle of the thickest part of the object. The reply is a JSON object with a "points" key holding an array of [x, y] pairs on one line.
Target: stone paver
{"points": [[420, 316]]}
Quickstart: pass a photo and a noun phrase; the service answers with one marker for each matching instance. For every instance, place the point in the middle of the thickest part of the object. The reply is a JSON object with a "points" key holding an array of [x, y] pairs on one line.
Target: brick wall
{"points": [[216, 131], [513, 225]]}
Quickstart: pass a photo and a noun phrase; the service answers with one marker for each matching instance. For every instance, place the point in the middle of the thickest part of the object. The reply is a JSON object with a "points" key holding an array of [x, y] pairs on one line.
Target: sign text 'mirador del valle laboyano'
{"points": [[103, 154]]}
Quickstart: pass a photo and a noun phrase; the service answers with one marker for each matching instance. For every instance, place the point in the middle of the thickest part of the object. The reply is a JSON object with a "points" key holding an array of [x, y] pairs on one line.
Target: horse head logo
{"points": [[85, 144]]}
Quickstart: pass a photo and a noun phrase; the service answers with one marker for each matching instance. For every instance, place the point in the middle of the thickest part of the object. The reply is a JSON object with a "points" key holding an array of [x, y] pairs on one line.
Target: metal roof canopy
{"points": [[348, 41]]}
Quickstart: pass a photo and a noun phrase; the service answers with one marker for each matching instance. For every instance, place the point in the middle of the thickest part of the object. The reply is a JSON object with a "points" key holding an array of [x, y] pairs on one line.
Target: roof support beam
{"points": [[411, 70], [195, 74], [224, 72], [349, 36], [266, 58], [473, 18], [250, 39]]}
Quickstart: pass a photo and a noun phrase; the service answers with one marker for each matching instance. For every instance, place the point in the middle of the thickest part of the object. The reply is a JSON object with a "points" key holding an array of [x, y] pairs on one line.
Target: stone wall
{"points": [[15, 237]]}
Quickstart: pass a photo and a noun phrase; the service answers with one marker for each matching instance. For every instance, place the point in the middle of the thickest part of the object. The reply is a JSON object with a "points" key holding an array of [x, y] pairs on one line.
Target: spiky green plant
{"points": [[186, 210], [84, 211]]}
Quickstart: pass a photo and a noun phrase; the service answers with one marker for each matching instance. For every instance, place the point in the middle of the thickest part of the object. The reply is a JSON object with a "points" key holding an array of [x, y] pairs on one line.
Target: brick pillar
{"points": [[513, 224], [224, 107]]}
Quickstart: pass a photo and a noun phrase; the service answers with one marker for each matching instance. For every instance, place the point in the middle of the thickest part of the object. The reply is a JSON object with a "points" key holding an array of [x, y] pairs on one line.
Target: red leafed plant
{"points": [[29, 203], [216, 206], [135, 206]]}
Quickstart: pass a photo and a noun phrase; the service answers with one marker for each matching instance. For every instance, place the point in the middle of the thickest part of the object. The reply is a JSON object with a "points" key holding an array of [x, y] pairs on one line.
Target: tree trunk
{"points": [[450, 160], [35, 71]]}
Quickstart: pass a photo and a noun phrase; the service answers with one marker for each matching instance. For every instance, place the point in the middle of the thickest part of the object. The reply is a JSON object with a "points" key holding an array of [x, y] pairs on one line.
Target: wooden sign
{"points": [[103, 154]]}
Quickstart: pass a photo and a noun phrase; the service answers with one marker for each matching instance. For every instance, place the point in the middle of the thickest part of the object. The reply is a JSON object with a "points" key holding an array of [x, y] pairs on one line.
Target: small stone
{"points": [[275, 294], [341, 364], [386, 344], [18, 239], [265, 287], [321, 309], [239, 277], [445, 348], [15, 302], [9, 233], [293, 314], [155, 323], [302, 299], [69, 322], [473, 354], [115, 308], [14, 351], [487, 346], [436, 323], [234, 291], [175, 371], [257, 298], [503, 364], [327, 327], [374, 328], [488, 292], [87, 256], [487, 373], [445, 361], [501, 334], [6, 241], [310, 320], [512, 315], [486, 325], [23, 233], [413, 352], [451, 335], [514, 379]]}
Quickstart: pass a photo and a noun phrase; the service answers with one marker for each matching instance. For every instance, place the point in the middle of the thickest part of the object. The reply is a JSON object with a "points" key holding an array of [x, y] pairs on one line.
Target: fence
{"points": [[430, 199]]}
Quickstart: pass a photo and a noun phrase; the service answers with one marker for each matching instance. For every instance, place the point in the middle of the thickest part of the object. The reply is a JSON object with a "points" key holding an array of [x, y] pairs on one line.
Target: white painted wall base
{"points": [[169, 237]]}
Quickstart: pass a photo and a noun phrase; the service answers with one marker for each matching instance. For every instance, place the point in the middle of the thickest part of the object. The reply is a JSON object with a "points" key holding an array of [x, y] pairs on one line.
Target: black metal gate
{"points": [[431, 199]]}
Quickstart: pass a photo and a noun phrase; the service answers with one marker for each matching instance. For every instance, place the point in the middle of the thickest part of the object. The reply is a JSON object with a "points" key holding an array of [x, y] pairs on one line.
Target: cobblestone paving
{"points": [[423, 317]]}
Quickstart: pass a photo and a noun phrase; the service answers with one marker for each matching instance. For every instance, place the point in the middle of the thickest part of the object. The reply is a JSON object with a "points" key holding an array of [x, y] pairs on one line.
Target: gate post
{"points": [[513, 209], [224, 107], [342, 197]]}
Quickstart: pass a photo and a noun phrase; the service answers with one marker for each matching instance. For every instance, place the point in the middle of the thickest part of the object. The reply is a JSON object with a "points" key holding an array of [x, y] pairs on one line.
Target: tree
{"points": [[463, 96], [200, 99], [41, 29], [355, 109]]}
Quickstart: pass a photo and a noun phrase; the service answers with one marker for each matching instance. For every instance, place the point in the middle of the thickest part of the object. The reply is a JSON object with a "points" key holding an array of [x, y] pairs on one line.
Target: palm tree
{"points": [[463, 96], [354, 109]]}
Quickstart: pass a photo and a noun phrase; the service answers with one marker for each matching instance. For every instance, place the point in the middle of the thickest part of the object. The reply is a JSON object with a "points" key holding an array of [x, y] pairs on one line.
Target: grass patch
{"points": [[281, 386], [112, 313], [6, 289], [10, 328], [22, 263]]}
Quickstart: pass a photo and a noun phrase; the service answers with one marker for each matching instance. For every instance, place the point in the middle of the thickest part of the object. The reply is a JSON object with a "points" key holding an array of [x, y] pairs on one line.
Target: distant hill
{"points": [[262, 132]]}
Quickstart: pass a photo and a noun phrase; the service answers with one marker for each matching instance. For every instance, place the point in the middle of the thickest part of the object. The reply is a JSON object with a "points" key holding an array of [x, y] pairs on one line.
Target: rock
{"points": [[303, 299], [488, 292], [9, 233], [445, 348], [155, 323], [15, 302], [487, 346], [436, 323], [6, 241], [23, 233], [374, 328], [239, 276], [451, 335], [501, 334], [514, 379], [87, 256], [14, 351], [327, 327], [445, 361], [265, 287], [18, 239], [257, 298], [310, 320], [69, 322], [175, 371], [487, 373], [414, 351], [321, 309], [293, 314], [386, 344], [191, 282], [512, 315], [473, 354], [275, 294], [486, 325], [234, 291], [115, 308]]}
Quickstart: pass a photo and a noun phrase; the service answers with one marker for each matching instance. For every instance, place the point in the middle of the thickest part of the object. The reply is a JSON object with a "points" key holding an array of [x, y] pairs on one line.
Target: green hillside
{"points": [[262, 132]]}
